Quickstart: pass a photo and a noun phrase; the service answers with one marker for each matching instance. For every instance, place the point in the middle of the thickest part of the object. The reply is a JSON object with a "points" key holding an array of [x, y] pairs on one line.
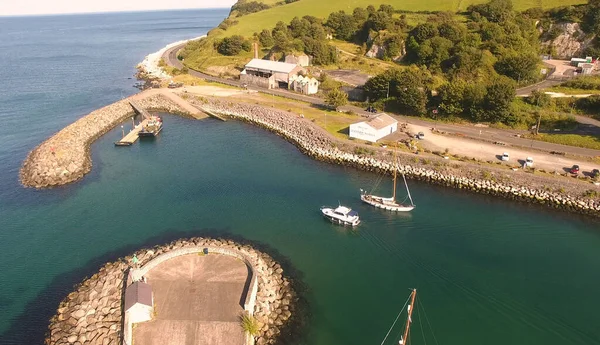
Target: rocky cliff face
{"points": [[567, 40]]}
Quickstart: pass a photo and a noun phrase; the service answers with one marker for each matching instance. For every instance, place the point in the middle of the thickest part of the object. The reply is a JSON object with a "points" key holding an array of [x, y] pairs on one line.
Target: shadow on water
{"points": [[31, 325]]}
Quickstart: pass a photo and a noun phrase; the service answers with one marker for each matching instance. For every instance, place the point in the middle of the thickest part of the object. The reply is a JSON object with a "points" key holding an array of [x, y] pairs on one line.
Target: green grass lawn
{"points": [[587, 141], [255, 22], [571, 91]]}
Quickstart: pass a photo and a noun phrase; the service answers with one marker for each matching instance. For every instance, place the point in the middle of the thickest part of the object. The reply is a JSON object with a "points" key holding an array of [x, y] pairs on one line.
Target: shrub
{"points": [[233, 45], [249, 324]]}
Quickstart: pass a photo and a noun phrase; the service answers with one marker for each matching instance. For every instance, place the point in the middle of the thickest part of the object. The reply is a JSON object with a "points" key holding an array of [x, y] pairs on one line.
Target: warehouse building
{"points": [[270, 74], [374, 129]]}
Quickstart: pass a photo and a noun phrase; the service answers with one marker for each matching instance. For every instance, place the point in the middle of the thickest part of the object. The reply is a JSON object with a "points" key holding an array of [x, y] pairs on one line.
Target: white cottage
{"points": [[139, 302], [375, 128], [306, 85]]}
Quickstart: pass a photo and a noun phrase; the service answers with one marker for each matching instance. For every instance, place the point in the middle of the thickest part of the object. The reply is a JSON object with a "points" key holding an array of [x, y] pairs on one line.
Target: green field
{"points": [[255, 22], [586, 141]]}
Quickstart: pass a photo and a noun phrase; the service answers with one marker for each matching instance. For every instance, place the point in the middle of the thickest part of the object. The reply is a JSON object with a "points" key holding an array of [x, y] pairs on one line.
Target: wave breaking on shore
{"points": [[150, 63]]}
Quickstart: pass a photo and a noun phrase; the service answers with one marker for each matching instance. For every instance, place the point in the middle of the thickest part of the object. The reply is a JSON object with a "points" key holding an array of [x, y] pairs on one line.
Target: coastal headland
{"points": [[65, 157], [202, 272]]}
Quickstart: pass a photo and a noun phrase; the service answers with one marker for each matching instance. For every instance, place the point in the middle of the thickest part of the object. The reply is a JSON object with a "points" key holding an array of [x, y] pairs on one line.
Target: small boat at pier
{"points": [[152, 127], [341, 215]]}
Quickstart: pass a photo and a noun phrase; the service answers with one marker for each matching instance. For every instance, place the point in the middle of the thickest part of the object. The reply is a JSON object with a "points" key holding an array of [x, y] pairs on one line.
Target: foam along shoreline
{"points": [[150, 63]]}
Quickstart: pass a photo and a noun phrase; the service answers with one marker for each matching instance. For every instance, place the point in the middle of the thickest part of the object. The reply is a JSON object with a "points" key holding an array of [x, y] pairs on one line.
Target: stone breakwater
{"points": [[65, 157], [93, 314], [318, 144]]}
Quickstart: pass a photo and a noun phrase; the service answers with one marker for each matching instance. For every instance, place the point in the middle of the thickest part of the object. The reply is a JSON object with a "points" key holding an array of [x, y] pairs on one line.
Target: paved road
{"points": [[471, 131], [526, 91]]}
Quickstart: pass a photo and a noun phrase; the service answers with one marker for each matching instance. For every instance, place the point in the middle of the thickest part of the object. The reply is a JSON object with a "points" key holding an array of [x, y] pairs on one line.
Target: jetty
{"points": [[134, 134]]}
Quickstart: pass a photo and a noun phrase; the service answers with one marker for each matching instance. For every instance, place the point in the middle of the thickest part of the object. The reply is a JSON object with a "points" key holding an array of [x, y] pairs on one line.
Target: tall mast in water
{"points": [[395, 172], [404, 339]]}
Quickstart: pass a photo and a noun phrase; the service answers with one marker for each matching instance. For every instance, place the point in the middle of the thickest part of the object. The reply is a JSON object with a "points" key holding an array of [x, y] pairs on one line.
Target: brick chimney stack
{"points": [[255, 46]]}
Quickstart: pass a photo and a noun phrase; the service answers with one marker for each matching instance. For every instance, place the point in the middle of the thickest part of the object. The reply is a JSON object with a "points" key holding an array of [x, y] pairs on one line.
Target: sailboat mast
{"points": [[395, 173], [408, 322], [408, 191]]}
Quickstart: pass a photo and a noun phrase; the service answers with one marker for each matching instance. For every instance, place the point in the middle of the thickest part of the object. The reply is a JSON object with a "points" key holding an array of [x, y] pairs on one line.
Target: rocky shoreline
{"points": [[92, 314], [316, 143], [65, 157]]}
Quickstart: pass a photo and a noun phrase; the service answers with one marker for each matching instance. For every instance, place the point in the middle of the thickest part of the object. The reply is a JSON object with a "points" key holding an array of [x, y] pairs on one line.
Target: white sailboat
{"points": [[389, 204]]}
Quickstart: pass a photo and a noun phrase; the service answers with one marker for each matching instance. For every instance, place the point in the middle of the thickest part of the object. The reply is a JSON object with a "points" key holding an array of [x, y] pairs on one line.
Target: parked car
{"points": [[574, 169], [529, 162], [420, 136], [371, 109], [505, 157], [595, 173]]}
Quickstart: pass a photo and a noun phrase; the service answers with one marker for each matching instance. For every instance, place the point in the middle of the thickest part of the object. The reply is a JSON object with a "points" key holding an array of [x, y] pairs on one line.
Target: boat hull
{"points": [[385, 203], [329, 215], [153, 133]]}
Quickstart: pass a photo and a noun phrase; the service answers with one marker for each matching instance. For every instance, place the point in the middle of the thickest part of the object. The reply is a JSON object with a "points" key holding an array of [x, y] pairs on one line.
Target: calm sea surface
{"points": [[487, 271]]}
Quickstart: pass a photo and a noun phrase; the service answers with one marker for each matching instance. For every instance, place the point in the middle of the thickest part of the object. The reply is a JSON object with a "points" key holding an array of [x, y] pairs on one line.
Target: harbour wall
{"points": [[92, 314], [65, 157], [318, 144]]}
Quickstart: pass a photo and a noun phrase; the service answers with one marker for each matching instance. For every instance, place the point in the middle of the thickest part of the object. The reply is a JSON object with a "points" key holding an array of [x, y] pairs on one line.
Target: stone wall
{"points": [[316, 143], [93, 314], [65, 157]]}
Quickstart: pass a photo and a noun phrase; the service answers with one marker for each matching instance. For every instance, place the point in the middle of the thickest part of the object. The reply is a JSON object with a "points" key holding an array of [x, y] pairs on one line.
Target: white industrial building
{"points": [[374, 129]]}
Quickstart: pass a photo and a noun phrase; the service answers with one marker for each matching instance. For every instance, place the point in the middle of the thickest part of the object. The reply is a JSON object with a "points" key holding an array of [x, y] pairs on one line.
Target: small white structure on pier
{"points": [[139, 302], [375, 128]]}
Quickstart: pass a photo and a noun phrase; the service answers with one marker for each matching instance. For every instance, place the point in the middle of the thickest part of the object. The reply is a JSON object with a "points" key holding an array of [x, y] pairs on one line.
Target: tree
{"points": [[379, 21], [336, 98], [389, 9], [591, 17], [521, 67], [281, 28], [410, 91], [232, 45], [299, 27], [342, 24], [452, 97], [360, 15], [496, 11], [424, 32], [434, 51], [539, 98], [473, 98], [244, 7], [452, 31], [317, 32], [322, 52], [498, 99], [265, 38]]}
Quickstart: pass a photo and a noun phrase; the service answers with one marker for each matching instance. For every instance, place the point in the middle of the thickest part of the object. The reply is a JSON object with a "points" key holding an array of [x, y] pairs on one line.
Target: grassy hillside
{"points": [[255, 22]]}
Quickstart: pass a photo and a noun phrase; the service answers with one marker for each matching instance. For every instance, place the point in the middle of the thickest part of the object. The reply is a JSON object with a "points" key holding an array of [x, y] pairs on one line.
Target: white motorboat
{"points": [[341, 215]]}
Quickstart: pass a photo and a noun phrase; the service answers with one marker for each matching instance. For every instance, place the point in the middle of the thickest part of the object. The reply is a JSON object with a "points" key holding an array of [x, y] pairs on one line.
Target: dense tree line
{"points": [[306, 34], [243, 7], [468, 69], [233, 45]]}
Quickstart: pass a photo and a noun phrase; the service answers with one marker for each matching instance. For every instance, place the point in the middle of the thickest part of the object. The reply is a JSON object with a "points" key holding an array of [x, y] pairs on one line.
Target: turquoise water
{"points": [[487, 271]]}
